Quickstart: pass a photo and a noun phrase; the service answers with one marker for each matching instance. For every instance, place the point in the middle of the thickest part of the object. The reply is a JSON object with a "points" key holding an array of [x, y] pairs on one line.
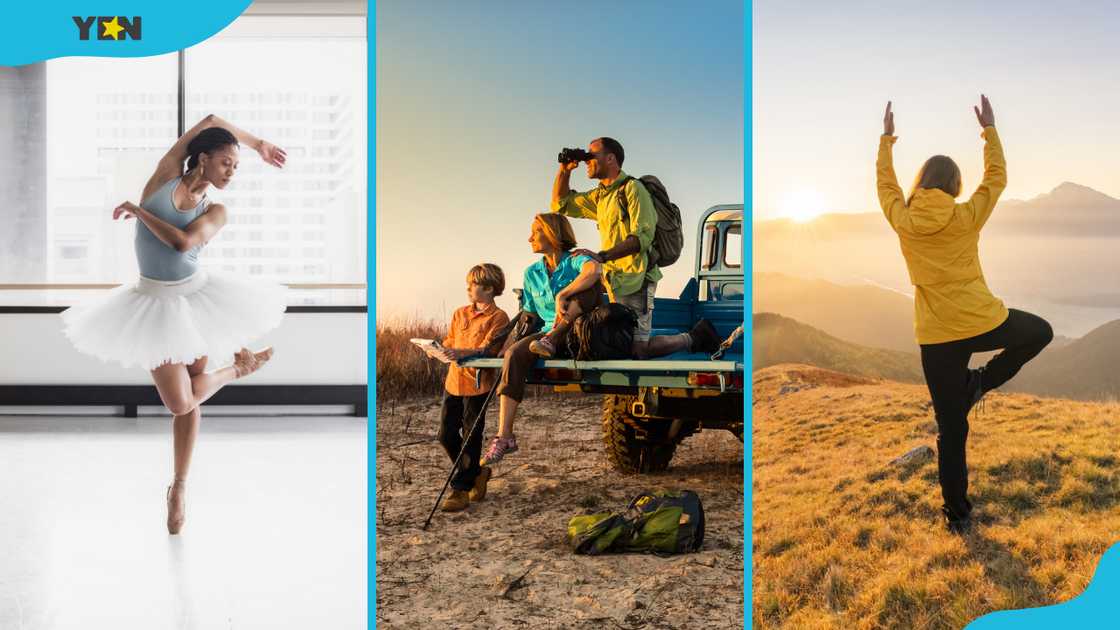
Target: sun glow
{"points": [[804, 205]]}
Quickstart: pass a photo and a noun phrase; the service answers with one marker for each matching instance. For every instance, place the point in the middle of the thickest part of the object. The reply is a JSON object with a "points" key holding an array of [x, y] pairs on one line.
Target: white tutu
{"points": [[151, 322]]}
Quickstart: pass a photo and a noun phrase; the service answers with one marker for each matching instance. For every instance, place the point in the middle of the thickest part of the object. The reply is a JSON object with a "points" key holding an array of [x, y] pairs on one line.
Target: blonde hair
{"points": [[939, 172], [488, 275], [557, 230]]}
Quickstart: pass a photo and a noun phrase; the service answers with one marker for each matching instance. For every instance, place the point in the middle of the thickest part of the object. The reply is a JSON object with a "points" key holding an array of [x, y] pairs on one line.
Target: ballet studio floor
{"points": [[275, 535]]}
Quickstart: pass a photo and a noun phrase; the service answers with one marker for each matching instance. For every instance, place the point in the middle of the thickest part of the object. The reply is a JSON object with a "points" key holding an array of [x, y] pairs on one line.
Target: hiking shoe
{"points": [[974, 388], [704, 337], [457, 501], [478, 492], [543, 347], [959, 526], [499, 448]]}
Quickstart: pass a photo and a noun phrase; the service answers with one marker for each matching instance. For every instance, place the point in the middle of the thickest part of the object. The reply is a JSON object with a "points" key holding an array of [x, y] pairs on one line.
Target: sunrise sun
{"points": [[804, 205]]}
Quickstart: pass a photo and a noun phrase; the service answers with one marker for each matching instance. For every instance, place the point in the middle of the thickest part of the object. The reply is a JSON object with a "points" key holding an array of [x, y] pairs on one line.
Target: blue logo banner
{"points": [[130, 28], [1095, 608]]}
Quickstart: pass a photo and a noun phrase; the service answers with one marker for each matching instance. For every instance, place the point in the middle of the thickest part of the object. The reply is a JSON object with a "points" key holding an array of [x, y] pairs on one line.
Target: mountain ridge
{"points": [[1064, 193]]}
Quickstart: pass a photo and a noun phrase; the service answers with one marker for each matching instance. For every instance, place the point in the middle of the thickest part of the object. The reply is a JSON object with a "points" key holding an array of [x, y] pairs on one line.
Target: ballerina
{"points": [[177, 315]]}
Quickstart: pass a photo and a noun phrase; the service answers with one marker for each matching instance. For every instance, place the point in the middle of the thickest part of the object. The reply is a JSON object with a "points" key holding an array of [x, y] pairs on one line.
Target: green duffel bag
{"points": [[661, 523]]}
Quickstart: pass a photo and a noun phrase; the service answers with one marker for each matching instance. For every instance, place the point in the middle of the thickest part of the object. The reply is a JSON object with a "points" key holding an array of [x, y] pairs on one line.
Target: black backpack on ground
{"points": [[603, 334], [668, 239]]}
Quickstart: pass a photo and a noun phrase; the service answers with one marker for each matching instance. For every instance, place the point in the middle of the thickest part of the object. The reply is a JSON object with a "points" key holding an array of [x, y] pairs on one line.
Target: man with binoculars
{"points": [[626, 231]]}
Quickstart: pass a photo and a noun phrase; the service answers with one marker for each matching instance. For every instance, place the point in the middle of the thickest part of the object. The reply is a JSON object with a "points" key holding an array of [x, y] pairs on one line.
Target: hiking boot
{"points": [[478, 492], [499, 448], [704, 337], [543, 347], [457, 501], [959, 526], [974, 388]]}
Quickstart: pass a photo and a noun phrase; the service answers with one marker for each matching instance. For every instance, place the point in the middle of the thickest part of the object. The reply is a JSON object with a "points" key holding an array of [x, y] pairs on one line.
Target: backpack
{"points": [[668, 239], [661, 523], [603, 334]]}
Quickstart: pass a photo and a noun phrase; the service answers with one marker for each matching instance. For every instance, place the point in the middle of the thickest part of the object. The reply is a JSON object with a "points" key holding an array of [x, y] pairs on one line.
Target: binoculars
{"points": [[574, 155]]}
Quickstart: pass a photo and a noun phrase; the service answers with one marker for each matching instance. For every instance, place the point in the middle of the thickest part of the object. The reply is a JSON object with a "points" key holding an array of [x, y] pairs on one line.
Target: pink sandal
{"points": [[499, 448]]}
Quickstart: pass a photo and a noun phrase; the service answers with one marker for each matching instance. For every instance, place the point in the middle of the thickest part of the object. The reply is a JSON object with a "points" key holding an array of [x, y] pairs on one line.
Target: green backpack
{"points": [[661, 523]]}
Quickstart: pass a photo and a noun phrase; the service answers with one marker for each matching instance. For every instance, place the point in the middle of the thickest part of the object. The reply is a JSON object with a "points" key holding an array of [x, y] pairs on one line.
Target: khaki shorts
{"points": [[642, 303]]}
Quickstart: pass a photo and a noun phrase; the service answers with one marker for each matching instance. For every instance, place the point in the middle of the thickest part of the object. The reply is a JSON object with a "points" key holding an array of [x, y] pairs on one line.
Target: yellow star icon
{"points": [[112, 28]]}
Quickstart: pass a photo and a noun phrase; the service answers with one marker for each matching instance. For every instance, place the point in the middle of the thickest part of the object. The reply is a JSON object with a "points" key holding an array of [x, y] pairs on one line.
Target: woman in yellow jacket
{"points": [[955, 314]]}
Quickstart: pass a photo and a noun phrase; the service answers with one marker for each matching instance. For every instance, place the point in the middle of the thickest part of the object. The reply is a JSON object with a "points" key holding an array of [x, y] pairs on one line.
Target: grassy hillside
{"points": [[1084, 369], [779, 339], [844, 539]]}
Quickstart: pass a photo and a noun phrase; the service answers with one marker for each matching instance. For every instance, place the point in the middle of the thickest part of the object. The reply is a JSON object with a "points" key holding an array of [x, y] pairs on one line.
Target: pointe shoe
{"points": [[263, 356], [176, 507], [245, 362]]}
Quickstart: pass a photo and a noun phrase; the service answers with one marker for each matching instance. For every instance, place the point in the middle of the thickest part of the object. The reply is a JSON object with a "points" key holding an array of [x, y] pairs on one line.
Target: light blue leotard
{"points": [[158, 260]]}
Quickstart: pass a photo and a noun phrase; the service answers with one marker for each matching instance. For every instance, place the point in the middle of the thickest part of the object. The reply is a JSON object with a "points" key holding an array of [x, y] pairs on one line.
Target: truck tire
{"points": [[634, 445]]}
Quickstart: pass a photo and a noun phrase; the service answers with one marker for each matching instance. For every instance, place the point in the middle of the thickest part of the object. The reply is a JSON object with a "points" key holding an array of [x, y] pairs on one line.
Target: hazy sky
{"points": [[823, 72], [475, 99]]}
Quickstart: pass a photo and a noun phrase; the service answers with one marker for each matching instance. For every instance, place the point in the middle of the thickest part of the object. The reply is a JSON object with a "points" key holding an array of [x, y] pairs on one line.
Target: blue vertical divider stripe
{"points": [[748, 308], [371, 318]]}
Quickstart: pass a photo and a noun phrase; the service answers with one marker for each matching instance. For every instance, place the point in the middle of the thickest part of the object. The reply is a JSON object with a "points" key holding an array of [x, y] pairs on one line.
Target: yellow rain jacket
{"points": [[939, 239]]}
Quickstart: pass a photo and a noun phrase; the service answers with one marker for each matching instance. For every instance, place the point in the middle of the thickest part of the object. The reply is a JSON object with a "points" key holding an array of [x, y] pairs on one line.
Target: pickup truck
{"points": [[650, 406]]}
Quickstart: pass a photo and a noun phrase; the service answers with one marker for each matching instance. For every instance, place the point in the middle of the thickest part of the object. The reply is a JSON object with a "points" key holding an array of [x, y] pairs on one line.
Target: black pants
{"points": [[1021, 337], [456, 417]]}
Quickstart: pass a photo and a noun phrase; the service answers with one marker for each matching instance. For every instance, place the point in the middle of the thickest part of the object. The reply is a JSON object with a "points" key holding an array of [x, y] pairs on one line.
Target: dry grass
{"points": [[403, 370], [405, 373], [842, 539]]}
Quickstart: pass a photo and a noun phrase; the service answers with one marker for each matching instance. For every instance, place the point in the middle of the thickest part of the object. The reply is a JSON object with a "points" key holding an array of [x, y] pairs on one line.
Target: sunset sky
{"points": [[823, 72], [474, 101]]}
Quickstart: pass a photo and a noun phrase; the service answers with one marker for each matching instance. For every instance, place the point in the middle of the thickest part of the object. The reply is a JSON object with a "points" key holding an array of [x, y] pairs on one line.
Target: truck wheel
{"points": [[634, 445]]}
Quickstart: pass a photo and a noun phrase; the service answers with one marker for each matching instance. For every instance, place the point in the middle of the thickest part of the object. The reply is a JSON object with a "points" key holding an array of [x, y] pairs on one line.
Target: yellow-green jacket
{"points": [[939, 240]]}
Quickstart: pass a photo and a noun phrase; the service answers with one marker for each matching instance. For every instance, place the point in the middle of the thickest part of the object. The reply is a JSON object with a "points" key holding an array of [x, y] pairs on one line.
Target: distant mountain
{"points": [[1069, 209], [866, 315], [780, 339], [1054, 254], [1082, 369]]}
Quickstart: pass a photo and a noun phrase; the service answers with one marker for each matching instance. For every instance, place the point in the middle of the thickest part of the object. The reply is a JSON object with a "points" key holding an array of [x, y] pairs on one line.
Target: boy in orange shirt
{"points": [[472, 329]]}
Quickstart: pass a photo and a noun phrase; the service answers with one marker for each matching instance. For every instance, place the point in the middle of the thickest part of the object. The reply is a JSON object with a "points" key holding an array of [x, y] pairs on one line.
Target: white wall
{"points": [[311, 349]]}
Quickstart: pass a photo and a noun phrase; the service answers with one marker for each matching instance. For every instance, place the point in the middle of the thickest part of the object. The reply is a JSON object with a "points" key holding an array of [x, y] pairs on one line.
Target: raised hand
{"points": [[984, 113], [272, 154], [126, 210], [888, 121]]}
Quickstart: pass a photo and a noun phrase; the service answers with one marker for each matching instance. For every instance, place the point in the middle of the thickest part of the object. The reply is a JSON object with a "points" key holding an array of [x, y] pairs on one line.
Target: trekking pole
{"points": [[463, 449]]}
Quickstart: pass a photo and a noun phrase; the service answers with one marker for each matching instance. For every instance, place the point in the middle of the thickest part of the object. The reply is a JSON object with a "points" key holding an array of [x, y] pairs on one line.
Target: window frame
{"points": [[260, 8]]}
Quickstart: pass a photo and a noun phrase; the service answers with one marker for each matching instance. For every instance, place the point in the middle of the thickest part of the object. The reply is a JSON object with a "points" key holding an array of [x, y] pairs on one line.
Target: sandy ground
{"points": [[505, 562]]}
